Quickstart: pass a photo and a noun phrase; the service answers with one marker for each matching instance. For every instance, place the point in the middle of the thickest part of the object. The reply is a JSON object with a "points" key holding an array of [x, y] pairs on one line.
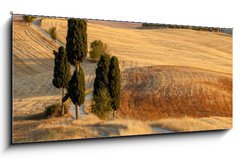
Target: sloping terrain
{"points": [[167, 74], [181, 47], [33, 62], [32, 50], [157, 92]]}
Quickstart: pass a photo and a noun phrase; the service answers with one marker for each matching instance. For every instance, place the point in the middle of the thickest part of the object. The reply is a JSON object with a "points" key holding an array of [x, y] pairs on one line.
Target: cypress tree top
{"points": [[62, 73], [76, 45], [77, 87], [101, 80], [114, 86]]}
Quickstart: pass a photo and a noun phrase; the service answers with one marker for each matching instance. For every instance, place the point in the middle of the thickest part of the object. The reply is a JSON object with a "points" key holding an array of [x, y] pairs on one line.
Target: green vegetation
{"points": [[28, 19], [76, 51], [101, 97], [114, 85], [101, 80], [101, 104], [62, 74], [76, 40], [77, 89], [97, 49], [53, 33], [55, 110], [106, 93], [198, 28]]}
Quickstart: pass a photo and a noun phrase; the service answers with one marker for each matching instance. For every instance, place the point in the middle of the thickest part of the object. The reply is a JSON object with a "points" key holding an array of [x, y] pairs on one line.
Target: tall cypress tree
{"points": [[114, 86], [101, 80], [76, 47], [101, 97], [62, 74], [77, 89]]}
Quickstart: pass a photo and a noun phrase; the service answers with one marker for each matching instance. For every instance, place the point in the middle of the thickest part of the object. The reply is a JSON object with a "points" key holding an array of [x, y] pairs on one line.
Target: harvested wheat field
{"points": [[172, 80]]}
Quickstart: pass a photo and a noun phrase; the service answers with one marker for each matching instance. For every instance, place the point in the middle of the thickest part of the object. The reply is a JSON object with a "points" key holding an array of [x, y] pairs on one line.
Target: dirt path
{"points": [[36, 24], [82, 111], [160, 130]]}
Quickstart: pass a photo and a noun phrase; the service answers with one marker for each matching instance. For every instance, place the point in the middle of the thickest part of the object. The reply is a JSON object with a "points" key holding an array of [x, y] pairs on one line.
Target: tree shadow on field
{"points": [[37, 116]]}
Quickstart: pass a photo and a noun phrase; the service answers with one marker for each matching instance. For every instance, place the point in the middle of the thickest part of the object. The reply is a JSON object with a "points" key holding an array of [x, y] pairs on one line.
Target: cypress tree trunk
{"points": [[77, 70], [114, 114], [62, 101], [77, 112]]}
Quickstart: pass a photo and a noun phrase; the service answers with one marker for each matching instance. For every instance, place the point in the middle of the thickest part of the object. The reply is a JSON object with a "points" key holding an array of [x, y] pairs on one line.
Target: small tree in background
{"points": [[53, 33], [101, 98], [114, 86], [76, 47], [77, 89], [97, 49], [28, 19], [62, 74]]}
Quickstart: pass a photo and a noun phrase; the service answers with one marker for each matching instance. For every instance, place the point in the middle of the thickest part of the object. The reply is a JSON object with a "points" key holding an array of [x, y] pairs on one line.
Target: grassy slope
{"points": [[33, 65], [206, 50], [155, 92]]}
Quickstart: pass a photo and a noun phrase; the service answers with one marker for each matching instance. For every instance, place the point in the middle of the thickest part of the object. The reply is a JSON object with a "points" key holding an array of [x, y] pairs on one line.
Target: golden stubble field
{"points": [[172, 80]]}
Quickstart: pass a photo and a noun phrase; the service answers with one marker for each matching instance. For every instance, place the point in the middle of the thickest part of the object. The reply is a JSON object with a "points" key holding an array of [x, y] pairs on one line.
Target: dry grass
{"points": [[32, 50], [63, 128], [151, 93], [186, 124], [200, 89], [132, 127], [181, 47]]}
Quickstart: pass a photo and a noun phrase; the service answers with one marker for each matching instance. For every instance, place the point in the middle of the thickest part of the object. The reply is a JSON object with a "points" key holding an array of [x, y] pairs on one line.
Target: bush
{"points": [[53, 33], [101, 104], [97, 49], [28, 19], [55, 110]]}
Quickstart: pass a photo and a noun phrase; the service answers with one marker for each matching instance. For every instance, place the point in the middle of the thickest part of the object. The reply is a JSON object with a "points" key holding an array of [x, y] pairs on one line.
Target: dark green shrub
{"points": [[101, 104], [97, 49], [53, 33], [55, 110], [28, 19], [52, 110]]}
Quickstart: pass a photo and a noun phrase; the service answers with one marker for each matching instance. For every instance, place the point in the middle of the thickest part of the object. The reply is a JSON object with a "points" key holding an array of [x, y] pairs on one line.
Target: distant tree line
{"points": [[174, 26]]}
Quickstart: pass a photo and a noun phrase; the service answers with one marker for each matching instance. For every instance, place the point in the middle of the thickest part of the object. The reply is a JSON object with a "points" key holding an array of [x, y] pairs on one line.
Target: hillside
{"points": [[172, 80], [181, 47], [157, 92], [32, 50]]}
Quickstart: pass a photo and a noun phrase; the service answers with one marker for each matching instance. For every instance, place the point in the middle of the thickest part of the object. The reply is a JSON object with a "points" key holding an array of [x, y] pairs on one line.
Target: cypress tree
{"points": [[62, 74], [101, 80], [114, 86], [101, 98], [76, 89], [76, 47]]}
